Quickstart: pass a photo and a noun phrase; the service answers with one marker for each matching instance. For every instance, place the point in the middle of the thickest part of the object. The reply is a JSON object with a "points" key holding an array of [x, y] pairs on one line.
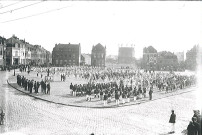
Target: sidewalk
{"points": [[60, 93]]}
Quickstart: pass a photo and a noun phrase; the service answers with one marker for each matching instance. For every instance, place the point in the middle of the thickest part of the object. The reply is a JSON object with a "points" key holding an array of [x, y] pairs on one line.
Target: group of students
{"points": [[131, 83], [31, 84], [107, 91]]}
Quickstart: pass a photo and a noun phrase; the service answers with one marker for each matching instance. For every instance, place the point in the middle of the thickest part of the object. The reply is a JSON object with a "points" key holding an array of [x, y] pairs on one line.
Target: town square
{"points": [[100, 68]]}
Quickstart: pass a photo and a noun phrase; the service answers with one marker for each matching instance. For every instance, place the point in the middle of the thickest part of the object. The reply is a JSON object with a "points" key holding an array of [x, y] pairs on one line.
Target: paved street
{"points": [[27, 115]]}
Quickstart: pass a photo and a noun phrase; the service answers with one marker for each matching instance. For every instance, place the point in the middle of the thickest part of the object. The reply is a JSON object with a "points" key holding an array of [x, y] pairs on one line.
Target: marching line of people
{"points": [[30, 85]]}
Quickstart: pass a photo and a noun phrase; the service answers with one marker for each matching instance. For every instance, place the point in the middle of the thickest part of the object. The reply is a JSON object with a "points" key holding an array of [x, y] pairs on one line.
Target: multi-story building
{"points": [[167, 61], [2, 52], [28, 58], [48, 58], [126, 55], [149, 61], [98, 55], [15, 51], [19, 52], [40, 56], [85, 59], [66, 54]]}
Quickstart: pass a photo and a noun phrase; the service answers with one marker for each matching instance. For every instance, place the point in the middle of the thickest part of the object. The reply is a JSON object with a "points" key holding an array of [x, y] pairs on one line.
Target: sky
{"points": [[166, 25]]}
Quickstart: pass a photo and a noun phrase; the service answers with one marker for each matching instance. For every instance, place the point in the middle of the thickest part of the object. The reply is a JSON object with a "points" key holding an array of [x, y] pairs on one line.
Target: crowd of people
{"points": [[124, 83], [108, 83], [30, 85]]}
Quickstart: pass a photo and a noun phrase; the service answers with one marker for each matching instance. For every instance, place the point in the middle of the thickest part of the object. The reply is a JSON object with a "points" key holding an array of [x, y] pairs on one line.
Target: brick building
{"points": [[126, 55], [66, 54], [98, 55], [167, 61], [149, 60]]}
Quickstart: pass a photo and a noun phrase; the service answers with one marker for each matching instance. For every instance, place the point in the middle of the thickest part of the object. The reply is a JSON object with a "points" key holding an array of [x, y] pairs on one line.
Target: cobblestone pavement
{"points": [[60, 92], [27, 115]]}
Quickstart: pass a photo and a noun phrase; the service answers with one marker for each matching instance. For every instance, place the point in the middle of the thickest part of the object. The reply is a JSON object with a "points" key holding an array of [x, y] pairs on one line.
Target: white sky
{"points": [[172, 26]]}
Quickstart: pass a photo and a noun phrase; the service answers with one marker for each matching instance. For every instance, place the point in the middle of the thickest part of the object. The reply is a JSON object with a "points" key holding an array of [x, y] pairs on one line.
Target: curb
{"points": [[103, 107]]}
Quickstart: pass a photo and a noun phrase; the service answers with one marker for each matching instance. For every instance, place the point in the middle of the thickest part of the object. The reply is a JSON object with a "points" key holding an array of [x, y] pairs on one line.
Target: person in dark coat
{"points": [[26, 84], [44, 87], [172, 121], [31, 86], [105, 99], [191, 129], [150, 93], [48, 88], [35, 87], [101, 95], [117, 98], [197, 126]]}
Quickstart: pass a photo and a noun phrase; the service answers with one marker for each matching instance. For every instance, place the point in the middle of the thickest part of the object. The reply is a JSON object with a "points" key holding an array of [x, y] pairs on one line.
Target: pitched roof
{"points": [[149, 49], [98, 47]]}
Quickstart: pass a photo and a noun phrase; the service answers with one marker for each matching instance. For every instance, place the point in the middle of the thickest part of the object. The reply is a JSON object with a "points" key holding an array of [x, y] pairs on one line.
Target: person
{"points": [[172, 121], [2, 114], [117, 98], [61, 77], [191, 129], [150, 93], [31, 86], [48, 88], [105, 99], [101, 95], [196, 126], [42, 86], [45, 83], [35, 87], [123, 97]]}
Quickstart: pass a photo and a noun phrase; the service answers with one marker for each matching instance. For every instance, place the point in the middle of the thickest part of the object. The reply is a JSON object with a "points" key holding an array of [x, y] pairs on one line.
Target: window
{"points": [[16, 53], [73, 55]]}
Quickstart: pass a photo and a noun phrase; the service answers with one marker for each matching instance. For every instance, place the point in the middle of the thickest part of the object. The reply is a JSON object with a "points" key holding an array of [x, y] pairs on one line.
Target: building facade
{"points": [[98, 55], [66, 55], [167, 61], [126, 55], [19, 52], [85, 59], [2, 52], [15, 51], [149, 61]]}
